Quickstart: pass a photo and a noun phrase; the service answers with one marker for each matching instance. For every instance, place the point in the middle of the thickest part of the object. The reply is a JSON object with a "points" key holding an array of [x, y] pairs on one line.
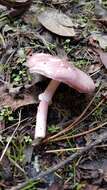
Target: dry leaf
{"points": [[103, 57], [57, 22], [25, 99], [100, 38], [100, 11], [94, 170]]}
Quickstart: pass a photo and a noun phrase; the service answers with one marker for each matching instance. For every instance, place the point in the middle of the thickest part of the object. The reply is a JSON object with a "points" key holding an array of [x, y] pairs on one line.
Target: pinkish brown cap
{"points": [[61, 70]]}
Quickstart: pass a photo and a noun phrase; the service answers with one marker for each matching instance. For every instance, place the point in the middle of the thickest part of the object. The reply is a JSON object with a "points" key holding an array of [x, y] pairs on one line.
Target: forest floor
{"points": [[75, 120]]}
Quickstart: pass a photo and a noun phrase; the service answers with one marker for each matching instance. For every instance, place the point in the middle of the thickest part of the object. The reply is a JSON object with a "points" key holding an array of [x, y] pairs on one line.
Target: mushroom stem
{"points": [[41, 118]]}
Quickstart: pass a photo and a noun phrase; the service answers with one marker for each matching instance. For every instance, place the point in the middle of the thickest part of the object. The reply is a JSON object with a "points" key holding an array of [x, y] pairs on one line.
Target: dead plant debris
{"points": [[76, 123], [57, 22]]}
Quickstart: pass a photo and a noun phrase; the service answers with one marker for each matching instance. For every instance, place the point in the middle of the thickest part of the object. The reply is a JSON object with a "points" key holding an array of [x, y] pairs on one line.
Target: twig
{"points": [[10, 127], [73, 149], [72, 125], [16, 165], [80, 134], [7, 145], [64, 150], [101, 138]]}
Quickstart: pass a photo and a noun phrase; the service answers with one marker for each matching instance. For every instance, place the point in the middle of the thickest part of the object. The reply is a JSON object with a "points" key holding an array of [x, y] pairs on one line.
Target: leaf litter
{"points": [[24, 99], [100, 12], [67, 28], [103, 57], [100, 38], [57, 22]]}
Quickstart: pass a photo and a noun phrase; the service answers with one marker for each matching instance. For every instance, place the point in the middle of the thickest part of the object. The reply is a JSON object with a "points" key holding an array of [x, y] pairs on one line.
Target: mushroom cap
{"points": [[60, 70]]}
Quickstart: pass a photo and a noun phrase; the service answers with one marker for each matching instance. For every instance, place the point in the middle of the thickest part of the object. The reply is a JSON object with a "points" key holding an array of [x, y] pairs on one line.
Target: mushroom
{"points": [[60, 70]]}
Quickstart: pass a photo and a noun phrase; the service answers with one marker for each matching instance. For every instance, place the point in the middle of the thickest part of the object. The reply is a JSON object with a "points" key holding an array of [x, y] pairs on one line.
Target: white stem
{"points": [[45, 99], [41, 119]]}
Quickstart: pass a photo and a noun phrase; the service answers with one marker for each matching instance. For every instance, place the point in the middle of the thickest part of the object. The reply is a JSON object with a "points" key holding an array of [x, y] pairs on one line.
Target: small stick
{"points": [[73, 149], [72, 125], [81, 134], [7, 145], [101, 138]]}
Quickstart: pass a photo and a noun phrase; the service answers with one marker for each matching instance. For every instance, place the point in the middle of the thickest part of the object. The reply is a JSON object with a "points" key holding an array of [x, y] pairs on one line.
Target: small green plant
{"points": [[28, 139], [53, 129], [81, 63], [66, 46], [6, 114], [98, 113], [18, 77], [19, 74], [83, 19], [51, 46], [31, 185], [16, 152]]}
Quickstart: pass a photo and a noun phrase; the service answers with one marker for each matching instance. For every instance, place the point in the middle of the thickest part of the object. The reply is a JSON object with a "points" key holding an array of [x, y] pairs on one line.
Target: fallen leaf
{"points": [[100, 11], [57, 22], [26, 98], [94, 170], [100, 38], [103, 56]]}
